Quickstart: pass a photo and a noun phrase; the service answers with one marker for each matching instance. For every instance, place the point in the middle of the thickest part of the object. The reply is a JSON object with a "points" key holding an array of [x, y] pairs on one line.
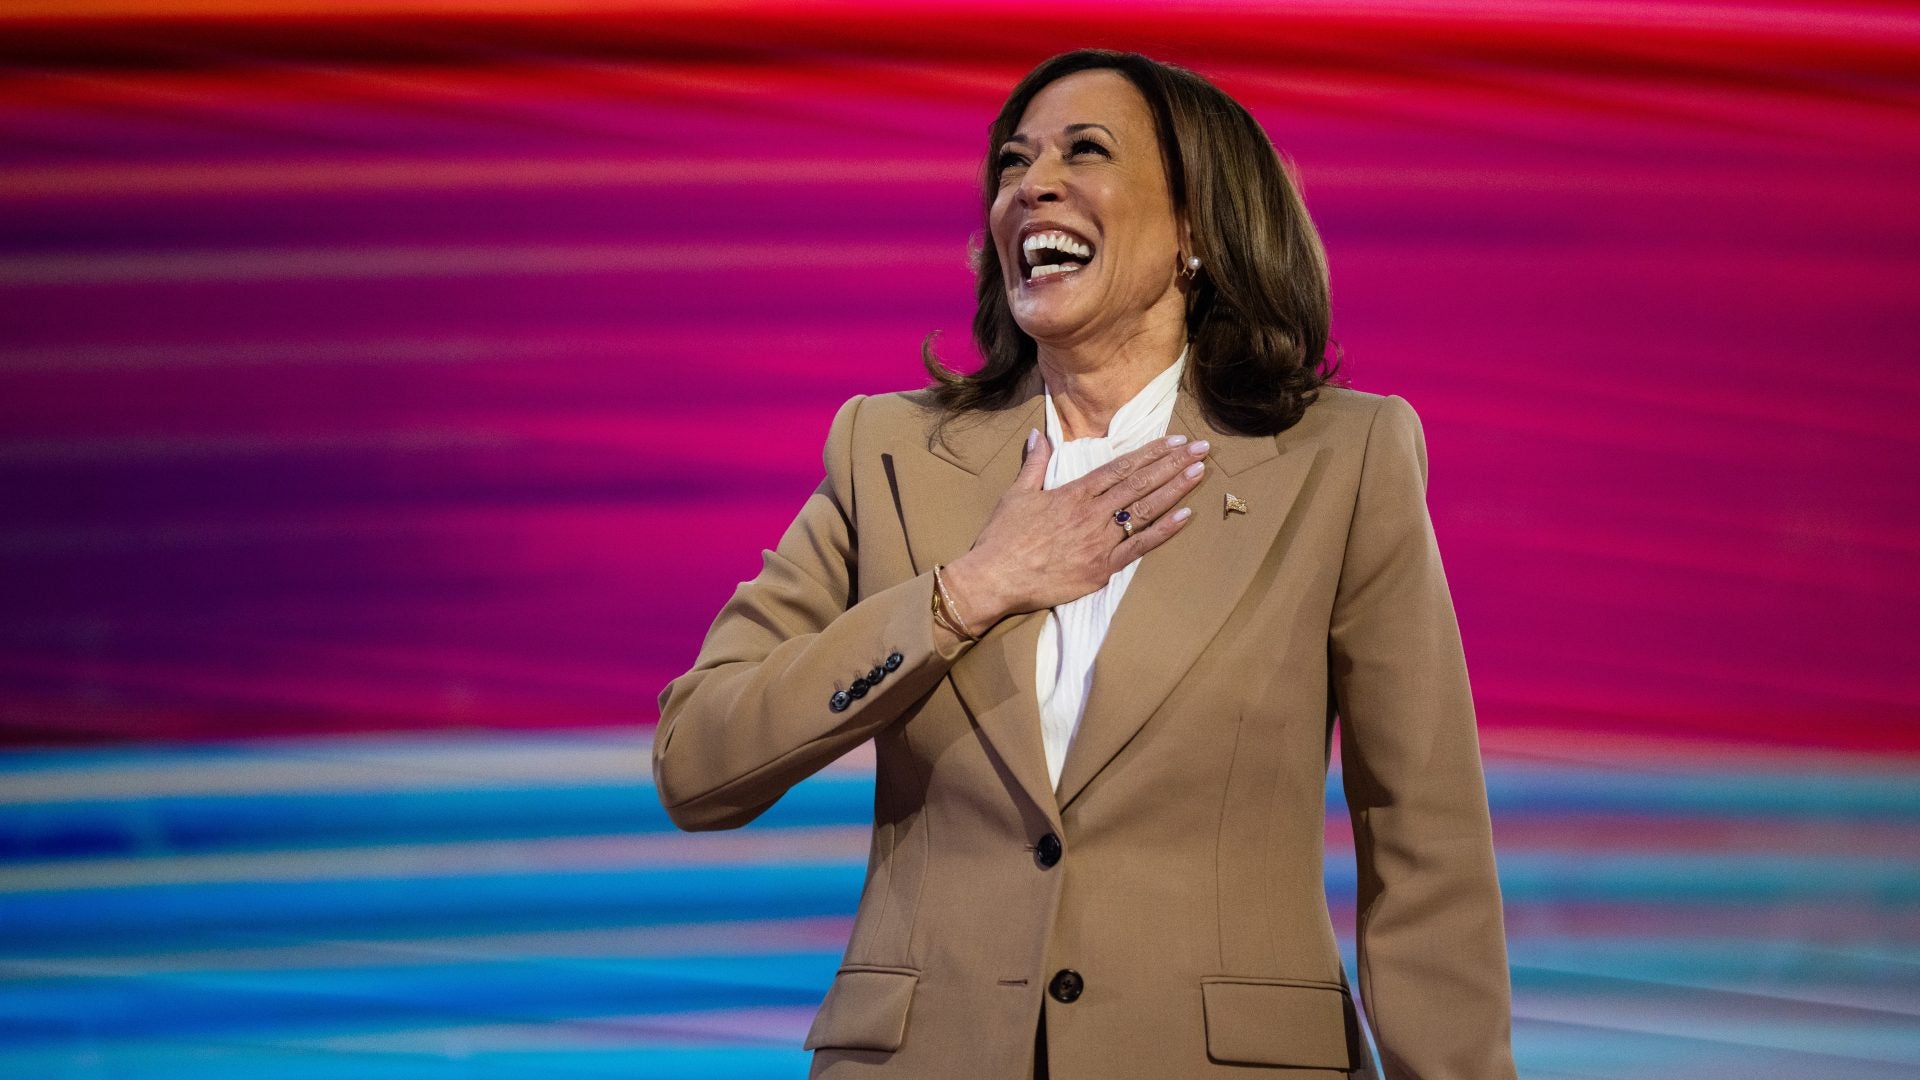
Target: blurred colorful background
{"points": [[393, 390]]}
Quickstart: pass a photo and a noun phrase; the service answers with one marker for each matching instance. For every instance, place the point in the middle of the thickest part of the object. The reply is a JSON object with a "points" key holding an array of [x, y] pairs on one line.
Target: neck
{"points": [[1090, 383]]}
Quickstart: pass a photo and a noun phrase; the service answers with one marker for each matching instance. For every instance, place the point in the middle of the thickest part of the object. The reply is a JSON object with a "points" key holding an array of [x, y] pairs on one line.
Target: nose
{"points": [[1043, 181]]}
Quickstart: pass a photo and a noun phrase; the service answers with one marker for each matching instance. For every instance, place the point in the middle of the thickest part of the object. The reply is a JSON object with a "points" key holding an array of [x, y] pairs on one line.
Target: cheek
{"points": [[1146, 252], [1131, 230], [1134, 259], [997, 216], [999, 229]]}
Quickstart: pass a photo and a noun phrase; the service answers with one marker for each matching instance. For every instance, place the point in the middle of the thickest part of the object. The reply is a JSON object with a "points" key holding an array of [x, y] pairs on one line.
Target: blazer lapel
{"points": [[1184, 590], [943, 512]]}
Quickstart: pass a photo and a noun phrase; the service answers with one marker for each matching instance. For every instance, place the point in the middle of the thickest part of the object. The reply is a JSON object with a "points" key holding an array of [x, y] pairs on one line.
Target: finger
{"points": [[1033, 468], [1103, 479], [1145, 540], [1170, 490], [1136, 491]]}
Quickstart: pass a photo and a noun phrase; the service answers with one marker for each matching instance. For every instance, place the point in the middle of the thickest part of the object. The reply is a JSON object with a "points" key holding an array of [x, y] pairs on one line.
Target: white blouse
{"points": [[1074, 630]]}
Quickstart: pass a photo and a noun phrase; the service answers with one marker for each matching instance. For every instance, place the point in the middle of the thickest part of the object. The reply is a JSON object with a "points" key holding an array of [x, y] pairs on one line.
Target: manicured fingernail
{"points": [[1200, 447], [1033, 437], [1196, 469], [1176, 440], [1183, 513]]}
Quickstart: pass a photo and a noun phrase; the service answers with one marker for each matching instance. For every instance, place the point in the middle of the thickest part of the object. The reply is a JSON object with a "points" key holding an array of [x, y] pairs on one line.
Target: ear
{"points": [[1183, 277]]}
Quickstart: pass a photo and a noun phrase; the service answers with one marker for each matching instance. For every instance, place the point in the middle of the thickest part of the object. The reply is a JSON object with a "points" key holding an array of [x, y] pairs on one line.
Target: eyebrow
{"points": [[1070, 129]]}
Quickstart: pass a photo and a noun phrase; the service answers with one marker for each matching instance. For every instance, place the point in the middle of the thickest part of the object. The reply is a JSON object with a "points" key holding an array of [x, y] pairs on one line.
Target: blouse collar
{"points": [[1140, 419]]}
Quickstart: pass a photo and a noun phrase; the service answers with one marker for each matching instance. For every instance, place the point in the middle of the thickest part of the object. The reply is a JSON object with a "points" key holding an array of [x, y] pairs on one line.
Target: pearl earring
{"points": [[1193, 264]]}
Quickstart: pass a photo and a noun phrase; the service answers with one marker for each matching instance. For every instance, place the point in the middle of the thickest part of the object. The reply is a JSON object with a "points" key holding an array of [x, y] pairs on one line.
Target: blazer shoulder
{"points": [[902, 409], [891, 419], [1344, 404], [1343, 415], [1384, 431]]}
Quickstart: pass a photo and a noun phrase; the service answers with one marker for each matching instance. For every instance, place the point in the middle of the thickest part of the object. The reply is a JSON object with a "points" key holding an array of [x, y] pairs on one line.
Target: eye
{"points": [[1007, 160], [1086, 145]]}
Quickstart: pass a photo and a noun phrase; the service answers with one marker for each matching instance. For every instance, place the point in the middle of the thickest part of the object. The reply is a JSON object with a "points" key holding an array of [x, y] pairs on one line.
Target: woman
{"points": [[1097, 826]]}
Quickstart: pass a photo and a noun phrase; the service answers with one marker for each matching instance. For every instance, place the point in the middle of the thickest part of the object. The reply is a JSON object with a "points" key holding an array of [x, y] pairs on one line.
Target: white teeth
{"points": [[1056, 241]]}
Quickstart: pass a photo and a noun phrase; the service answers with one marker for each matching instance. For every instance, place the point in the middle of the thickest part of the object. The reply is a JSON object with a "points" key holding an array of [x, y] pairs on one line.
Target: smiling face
{"points": [[1083, 222]]}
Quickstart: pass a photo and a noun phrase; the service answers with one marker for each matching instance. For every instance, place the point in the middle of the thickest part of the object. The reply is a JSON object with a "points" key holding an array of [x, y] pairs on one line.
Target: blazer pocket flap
{"points": [[866, 1009], [1280, 1022]]}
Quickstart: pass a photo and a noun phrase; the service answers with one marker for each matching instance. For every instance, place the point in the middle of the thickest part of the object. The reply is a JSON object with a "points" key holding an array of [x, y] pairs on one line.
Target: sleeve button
{"points": [[858, 689], [893, 662], [839, 701], [874, 676]]}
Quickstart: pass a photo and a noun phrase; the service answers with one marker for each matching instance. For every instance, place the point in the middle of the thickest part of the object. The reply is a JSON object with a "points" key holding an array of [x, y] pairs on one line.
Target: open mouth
{"points": [[1053, 251]]}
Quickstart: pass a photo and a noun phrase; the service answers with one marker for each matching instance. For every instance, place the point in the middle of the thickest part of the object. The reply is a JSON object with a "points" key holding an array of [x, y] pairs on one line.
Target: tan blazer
{"points": [[1165, 906]]}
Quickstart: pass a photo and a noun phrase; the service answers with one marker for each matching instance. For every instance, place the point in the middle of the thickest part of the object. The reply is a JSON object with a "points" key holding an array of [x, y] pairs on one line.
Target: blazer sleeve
{"points": [[755, 714], [1432, 944]]}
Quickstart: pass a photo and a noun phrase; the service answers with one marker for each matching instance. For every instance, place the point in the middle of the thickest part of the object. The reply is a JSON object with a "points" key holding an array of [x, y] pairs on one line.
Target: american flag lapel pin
{"points": [[1235, 505]]}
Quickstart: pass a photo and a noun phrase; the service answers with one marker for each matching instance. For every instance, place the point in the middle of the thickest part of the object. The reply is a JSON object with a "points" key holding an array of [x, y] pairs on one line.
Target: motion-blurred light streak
{"points": [[392, 390]]}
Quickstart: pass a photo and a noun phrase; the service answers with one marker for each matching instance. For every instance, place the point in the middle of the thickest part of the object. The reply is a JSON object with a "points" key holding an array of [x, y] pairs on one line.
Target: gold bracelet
{"points": [[952, 608], [940, 617], [946, 611], [947, 623]]}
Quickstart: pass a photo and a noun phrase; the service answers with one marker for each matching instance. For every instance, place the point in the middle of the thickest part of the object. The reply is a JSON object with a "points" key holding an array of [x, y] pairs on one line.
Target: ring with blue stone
{"points": [[1124, 520]]}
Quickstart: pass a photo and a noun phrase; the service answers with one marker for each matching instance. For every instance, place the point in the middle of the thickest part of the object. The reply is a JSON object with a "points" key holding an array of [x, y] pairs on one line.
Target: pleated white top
{"points": [[1071, 638]]}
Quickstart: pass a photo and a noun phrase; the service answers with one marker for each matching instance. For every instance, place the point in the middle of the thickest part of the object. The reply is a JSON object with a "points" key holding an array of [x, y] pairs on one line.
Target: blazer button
{"points": [[839, 701], [874, 676], [894, 662], [858, 689], [1066, 986], [1047, 850]]}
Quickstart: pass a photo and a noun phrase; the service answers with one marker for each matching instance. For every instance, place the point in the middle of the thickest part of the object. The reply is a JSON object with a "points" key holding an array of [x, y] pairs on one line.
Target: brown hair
{"points": [[1258, 311]]}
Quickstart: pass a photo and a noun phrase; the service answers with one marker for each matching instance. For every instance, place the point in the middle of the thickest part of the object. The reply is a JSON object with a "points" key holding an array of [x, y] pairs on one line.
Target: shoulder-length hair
{"points": [[1257, 312]]}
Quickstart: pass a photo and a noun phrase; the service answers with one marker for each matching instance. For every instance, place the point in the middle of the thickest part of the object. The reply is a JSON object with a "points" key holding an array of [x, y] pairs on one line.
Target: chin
{"points": [[1045, 329], [1045, 317]]}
